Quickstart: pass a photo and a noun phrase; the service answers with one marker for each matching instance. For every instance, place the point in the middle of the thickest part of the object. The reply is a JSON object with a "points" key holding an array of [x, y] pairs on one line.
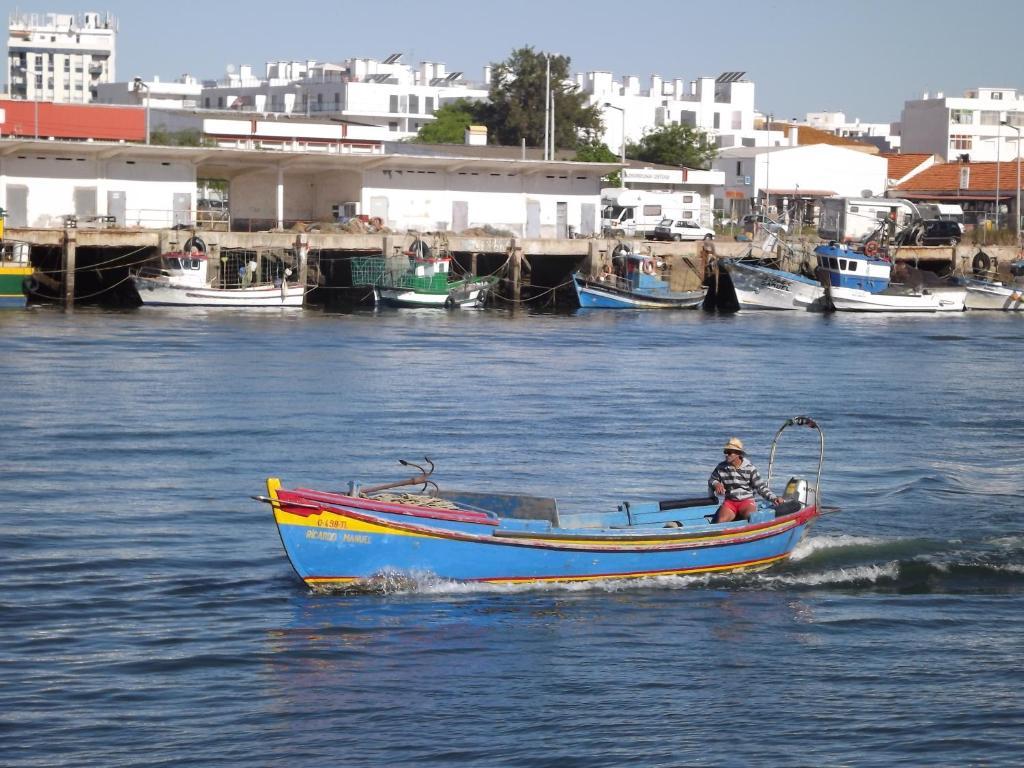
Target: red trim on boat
{"points": [[430, 513]]}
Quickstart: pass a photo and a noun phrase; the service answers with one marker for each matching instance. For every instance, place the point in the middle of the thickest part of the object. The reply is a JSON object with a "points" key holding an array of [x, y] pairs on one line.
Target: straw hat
{"points": [[734, 444]]}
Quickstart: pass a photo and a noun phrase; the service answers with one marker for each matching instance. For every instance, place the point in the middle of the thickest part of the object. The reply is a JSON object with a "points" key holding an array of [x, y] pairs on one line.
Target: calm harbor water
{"points": [[150, 617]]}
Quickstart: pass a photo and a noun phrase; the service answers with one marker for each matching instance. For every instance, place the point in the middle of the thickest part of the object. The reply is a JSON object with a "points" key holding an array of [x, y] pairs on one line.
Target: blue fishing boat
{"points": [[636, 282], [351, 539]]}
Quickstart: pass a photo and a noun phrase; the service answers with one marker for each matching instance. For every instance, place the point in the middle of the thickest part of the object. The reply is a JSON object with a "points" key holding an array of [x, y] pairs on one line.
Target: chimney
{"points": [[487, 75], [794, 132]]}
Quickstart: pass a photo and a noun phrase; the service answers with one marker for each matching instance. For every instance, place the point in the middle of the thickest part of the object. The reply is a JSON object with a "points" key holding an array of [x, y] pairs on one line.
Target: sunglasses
{"points": [[733, 453]]}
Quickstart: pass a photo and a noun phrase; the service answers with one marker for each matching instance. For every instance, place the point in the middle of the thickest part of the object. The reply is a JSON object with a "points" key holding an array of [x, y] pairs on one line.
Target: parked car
{"points": [[932, 232], [680, 229]]}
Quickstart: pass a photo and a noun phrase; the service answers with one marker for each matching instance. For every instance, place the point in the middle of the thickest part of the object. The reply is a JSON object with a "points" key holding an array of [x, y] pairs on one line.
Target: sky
{"points": [[861, 57]]}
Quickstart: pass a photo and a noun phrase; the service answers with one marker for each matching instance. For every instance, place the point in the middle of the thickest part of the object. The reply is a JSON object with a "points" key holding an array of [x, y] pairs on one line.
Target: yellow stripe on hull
{"points": [[757, 565]]}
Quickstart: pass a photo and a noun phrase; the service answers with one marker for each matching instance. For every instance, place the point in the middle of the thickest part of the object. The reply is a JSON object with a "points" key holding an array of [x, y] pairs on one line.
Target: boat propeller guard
{"points": [[800, 421]]}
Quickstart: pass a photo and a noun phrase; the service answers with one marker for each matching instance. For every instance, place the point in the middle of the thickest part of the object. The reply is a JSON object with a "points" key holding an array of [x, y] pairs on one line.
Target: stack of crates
{"points": [[368, 270]]}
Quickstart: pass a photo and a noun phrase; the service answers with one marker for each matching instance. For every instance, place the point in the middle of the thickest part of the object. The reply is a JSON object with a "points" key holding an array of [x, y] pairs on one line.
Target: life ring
{"points": [[981, 263], [195, 244], [449, 303], [871, 247]]}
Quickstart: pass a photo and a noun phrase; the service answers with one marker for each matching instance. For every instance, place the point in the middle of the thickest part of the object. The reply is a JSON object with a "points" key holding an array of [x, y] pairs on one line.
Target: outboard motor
{"points": [[796, 489], [1017, 268]]}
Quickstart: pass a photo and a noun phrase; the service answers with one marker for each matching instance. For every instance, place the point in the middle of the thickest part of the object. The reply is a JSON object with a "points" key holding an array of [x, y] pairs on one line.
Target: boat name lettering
{"points": [[322, 535], [330, 522], [772, 282], [352, 538]]}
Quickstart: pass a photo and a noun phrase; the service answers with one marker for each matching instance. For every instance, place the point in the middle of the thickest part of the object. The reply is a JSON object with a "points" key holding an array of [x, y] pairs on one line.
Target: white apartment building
{"points": [[882, 135], [971, 125], [722, 107], [396, 98], [59, 57], [183, 93]]}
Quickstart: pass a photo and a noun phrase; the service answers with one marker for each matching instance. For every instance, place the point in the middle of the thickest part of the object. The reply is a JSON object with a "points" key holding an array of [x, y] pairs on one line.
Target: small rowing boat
{"points": [[350, 539]]}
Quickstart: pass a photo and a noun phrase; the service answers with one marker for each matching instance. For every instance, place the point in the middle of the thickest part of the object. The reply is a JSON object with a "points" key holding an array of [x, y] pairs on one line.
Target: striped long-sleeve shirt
{"points": [[740, 482]]}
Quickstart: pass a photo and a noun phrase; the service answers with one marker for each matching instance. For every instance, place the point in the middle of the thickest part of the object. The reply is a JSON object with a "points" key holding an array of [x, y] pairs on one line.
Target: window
{"points": [[687, 198], [1015, 118], [393, 106], [961, 117], [997, 95], [739, 168], [652, 210], [960, 141], [717, 122], [852, 265], [414, 104], [393, 127], [989, 117], [428, 105]]}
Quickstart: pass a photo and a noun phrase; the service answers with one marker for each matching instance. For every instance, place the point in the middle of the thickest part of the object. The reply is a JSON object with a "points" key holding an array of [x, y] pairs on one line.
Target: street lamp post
{"points": [[140, 85], [622, 181], [547, 104], [1016, 209], [999, 144]]}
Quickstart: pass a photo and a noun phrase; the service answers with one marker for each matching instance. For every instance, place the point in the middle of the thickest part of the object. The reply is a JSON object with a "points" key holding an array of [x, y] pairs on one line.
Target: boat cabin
{"points": [[639, 272], [847, 268]]}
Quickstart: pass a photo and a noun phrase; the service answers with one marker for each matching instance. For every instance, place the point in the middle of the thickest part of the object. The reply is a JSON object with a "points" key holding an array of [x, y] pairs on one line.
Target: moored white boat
{"points": [[760, 287], [994, 296], [182, 281], [930, 300]]}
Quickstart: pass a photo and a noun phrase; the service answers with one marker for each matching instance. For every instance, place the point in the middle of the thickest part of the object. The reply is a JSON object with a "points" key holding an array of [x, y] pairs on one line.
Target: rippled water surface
{"points": [[151, 618]]}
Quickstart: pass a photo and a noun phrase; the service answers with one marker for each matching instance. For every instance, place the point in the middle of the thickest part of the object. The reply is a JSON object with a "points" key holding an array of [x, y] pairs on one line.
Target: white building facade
{"points": [[971, 125], [60, 57], [395, 98], [882, 135], [772, 178], [183, 93], [43, 183], [721, 107]]}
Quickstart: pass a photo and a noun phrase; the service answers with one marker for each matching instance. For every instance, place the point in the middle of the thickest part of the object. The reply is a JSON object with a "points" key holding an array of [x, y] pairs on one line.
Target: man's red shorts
{"points": [[740, 508]]}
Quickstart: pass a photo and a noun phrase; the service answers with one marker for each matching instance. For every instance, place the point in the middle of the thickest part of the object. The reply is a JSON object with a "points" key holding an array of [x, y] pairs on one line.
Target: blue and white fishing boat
{"points": [[847, 280], [861, 282], [636, 283], [352, 539]]}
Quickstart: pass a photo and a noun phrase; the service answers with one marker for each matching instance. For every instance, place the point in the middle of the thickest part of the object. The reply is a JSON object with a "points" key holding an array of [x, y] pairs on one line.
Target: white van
{"points": [[851, 219], [636, 212]]}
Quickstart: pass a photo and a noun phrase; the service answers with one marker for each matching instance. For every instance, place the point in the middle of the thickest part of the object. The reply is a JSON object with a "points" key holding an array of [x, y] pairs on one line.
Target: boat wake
{"points": [[842, 562]]}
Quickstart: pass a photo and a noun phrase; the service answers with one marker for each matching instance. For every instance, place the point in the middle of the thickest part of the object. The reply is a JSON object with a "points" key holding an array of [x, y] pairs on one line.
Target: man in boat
{"points": [[737, 480]]}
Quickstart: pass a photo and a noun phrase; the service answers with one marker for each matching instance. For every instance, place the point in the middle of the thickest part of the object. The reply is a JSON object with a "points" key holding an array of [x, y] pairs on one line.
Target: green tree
{"points": [[678, 145], [593, 150], [450, 123], [517, 99], [189, 137]]}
